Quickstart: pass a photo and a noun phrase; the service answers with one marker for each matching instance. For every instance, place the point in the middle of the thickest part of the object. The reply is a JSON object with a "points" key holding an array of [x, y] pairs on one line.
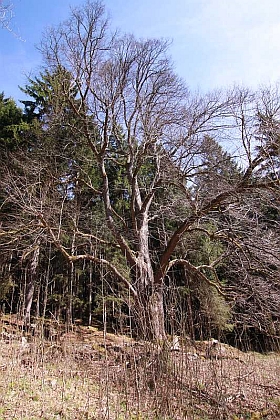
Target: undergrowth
{"points": [[86, 374]]}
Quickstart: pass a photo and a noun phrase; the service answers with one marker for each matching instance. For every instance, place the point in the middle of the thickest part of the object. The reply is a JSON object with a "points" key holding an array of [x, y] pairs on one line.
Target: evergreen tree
{"points": [[12, 123]]}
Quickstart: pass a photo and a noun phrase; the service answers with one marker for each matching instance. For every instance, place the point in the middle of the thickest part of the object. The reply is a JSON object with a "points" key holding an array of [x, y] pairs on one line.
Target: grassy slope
{"points": [[84, 375]]}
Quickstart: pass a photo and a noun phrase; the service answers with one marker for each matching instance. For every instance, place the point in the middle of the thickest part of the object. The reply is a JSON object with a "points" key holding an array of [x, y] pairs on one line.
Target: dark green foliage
{"points": [[47, 93], [13, 124]]}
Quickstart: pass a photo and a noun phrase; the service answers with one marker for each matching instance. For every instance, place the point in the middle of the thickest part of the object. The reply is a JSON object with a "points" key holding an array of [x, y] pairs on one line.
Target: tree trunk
{"points": [[69, 309], [152, 317], [156, 314], [30, 283], [150, 302], [149, 316], [29, 293], [46, 287], [90, 293]]}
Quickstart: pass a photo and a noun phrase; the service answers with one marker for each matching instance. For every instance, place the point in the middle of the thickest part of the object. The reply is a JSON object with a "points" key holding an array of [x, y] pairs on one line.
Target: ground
{"points": [[90, 374]]}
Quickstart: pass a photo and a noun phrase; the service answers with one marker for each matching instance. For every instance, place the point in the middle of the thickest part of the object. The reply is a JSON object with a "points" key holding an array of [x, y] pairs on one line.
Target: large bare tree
{"points": [[136, 115]]}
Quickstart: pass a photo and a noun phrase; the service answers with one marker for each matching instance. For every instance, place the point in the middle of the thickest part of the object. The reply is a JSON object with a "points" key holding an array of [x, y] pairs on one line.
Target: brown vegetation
{"points": [[87, 374]]}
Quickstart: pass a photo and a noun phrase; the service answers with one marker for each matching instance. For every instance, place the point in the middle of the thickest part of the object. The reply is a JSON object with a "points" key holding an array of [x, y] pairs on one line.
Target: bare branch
{"points": [[195, 273]]}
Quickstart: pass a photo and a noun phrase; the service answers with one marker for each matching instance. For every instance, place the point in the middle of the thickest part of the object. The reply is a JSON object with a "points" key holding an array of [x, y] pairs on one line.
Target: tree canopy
{"points": [[132, 178]]}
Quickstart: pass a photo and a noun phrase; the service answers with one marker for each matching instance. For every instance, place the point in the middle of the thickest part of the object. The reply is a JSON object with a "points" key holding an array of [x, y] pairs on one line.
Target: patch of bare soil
{"points": [[87, 374]]}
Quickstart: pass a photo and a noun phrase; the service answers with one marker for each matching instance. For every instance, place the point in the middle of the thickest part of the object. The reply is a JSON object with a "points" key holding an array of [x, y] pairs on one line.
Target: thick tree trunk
{"points": [[151, 308], [156, 314], [149, 314]]}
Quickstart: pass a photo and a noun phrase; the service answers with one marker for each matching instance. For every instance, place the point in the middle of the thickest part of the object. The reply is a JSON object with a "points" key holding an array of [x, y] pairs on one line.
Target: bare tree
{"points": [[134, 113], [6, 18], [6, 14]]}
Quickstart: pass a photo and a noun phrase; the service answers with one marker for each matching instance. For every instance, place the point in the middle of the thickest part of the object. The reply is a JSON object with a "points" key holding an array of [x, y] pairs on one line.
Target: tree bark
{"points": [[156, 314], [29, 293], [150, 295], [30, 283]]}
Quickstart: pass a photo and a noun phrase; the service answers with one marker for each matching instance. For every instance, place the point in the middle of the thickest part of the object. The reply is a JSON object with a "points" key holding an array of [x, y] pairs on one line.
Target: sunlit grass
{"points": [[87, 376]]}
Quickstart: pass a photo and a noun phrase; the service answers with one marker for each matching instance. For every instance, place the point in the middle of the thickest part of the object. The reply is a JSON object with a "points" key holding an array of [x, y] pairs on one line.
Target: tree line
{"points": [[125, 196]]}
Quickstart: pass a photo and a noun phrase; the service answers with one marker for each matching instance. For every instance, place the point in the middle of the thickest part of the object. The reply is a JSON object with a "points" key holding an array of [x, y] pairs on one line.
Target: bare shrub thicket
{"points": [[90, 374]]}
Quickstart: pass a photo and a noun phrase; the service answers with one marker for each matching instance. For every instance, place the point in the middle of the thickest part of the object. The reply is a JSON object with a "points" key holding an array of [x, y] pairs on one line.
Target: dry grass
{"points": [[83, 375]]}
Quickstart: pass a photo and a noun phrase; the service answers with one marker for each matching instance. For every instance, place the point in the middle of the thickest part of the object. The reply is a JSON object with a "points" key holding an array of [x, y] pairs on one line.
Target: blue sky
{"points": [[215, 43]]}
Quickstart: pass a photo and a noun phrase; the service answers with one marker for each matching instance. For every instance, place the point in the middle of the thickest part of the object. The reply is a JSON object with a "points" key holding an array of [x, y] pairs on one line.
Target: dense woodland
{"points": [[129, 201]]}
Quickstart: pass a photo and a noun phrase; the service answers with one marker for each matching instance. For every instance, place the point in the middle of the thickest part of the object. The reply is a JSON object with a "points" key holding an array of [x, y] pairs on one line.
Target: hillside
{"points": [[86, 374]]}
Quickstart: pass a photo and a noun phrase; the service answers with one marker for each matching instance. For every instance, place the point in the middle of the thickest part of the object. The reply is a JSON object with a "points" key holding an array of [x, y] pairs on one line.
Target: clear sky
{"points": [[215, 43]]}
